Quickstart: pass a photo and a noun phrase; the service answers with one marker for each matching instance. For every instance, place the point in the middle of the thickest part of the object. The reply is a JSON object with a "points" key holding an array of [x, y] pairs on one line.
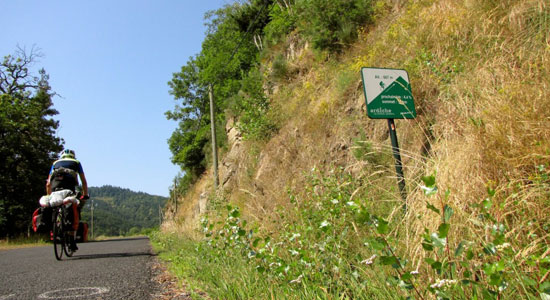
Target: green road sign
{"points": [[388, 94]]}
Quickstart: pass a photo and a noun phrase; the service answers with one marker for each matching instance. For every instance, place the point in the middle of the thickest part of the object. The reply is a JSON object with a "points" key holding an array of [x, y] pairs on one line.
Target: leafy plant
{"points": [[252, 105], [312, 249], [319, 248]]}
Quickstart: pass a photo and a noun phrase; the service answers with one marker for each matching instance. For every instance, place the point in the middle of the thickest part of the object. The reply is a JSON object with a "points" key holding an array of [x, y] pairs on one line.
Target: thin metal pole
{"points": [[175, 195], [214, 143], [92, 209], [398, 163]]}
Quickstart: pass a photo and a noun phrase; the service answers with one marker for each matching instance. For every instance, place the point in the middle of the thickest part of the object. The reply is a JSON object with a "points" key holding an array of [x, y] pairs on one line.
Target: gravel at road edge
{"points": [[167, 285]]}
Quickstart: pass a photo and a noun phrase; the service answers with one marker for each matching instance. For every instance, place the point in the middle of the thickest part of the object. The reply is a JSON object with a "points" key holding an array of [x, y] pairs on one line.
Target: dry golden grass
{"points": [[7, 246], [491, 121]]}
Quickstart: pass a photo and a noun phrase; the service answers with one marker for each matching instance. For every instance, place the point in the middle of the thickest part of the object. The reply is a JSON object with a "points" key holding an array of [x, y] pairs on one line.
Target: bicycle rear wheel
{"points": [[58, 236], [67, 246]]}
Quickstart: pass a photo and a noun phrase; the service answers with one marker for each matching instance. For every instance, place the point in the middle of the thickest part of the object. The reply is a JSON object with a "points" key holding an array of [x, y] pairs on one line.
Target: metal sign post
{"points": [[388, 95], [397, 157]]}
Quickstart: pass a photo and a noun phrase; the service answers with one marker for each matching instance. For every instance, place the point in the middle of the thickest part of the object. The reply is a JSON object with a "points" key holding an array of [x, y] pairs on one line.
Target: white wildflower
{"points": [[503, 286], [415, 272], [334, 201], [352, 204], [324, 224], [429, 190], [305, 263], [503, 246], [321, 246], [297, 280], [369, 261], [436, 285], [443, 283], [295, 236]]}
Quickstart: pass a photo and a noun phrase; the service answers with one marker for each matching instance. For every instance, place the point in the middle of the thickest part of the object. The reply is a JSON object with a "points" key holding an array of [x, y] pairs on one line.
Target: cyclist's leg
{"points": [[76, 217], [75, 220]]}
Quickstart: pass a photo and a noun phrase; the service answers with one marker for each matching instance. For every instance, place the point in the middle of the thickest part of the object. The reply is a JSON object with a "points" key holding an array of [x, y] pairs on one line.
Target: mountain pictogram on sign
{"points": [[388, 94]]}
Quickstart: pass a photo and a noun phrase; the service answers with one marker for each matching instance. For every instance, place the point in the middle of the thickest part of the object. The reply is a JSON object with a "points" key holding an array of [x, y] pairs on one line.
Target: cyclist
{"points": [[63, 176]]}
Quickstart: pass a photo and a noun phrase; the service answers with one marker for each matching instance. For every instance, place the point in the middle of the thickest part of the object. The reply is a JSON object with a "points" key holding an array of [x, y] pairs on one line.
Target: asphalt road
{"points": [[114, 269]]}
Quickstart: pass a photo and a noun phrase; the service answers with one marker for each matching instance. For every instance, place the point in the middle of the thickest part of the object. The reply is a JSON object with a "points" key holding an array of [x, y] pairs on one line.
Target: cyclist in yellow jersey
{"points": [[64, 176]]}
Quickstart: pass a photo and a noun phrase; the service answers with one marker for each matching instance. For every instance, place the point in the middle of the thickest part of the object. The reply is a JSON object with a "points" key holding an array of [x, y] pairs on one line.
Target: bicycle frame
{"points": [[61, 228]]}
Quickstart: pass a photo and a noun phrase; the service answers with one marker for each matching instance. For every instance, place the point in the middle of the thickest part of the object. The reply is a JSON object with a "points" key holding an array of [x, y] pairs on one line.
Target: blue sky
{"points": [[110, 62]]}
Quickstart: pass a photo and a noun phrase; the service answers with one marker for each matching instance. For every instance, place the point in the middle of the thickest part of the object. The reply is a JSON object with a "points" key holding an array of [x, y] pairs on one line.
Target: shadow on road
{"points": [[121, 239], [110, 255]]}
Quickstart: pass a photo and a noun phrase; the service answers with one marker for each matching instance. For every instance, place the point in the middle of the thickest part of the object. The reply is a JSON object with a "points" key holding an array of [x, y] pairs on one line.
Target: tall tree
{"points": [[27, 139], [188, 140], [227, 53]]}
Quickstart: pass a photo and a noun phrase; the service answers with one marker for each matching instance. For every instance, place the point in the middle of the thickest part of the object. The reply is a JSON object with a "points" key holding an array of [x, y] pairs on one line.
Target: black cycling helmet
{"points": [[67, 153]]}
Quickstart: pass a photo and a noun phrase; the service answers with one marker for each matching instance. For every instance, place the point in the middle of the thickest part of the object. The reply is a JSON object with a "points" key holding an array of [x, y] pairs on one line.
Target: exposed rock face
{"points": [[230, 162], [202, 203]]}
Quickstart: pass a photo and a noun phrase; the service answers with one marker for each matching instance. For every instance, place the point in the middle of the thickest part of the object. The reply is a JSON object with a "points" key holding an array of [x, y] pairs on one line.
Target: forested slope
{"points": [[119, 211]]}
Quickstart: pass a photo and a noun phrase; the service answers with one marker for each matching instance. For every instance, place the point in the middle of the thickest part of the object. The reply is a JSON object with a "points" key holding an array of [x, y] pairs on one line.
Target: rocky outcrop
{"points": [[230, 163]]}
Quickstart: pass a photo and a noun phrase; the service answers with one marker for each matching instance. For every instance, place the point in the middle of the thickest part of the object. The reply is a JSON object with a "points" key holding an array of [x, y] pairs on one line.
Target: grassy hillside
{"points": [[314, 211]]}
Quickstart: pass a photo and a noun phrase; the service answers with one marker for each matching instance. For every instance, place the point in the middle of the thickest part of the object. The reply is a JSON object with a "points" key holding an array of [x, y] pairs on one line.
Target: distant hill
{"points": [[120, 211]]}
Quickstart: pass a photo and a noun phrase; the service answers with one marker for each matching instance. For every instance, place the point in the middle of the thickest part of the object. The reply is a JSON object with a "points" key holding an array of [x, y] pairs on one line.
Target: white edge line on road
{"points": [[57, 294]]}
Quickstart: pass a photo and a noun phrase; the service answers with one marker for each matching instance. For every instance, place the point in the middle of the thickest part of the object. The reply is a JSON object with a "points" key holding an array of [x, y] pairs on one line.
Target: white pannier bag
{"points": [[57, 198]]}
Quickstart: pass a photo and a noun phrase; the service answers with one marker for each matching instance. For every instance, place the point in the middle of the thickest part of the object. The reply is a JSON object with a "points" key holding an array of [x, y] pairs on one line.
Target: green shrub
{"points": [[188, 149], [279, 68], [282, 23], [252, 107], [332, 25]]}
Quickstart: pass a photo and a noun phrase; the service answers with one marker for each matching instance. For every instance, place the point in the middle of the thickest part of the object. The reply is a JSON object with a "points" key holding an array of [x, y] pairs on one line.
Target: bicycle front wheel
{"points": [[58, 236]]}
